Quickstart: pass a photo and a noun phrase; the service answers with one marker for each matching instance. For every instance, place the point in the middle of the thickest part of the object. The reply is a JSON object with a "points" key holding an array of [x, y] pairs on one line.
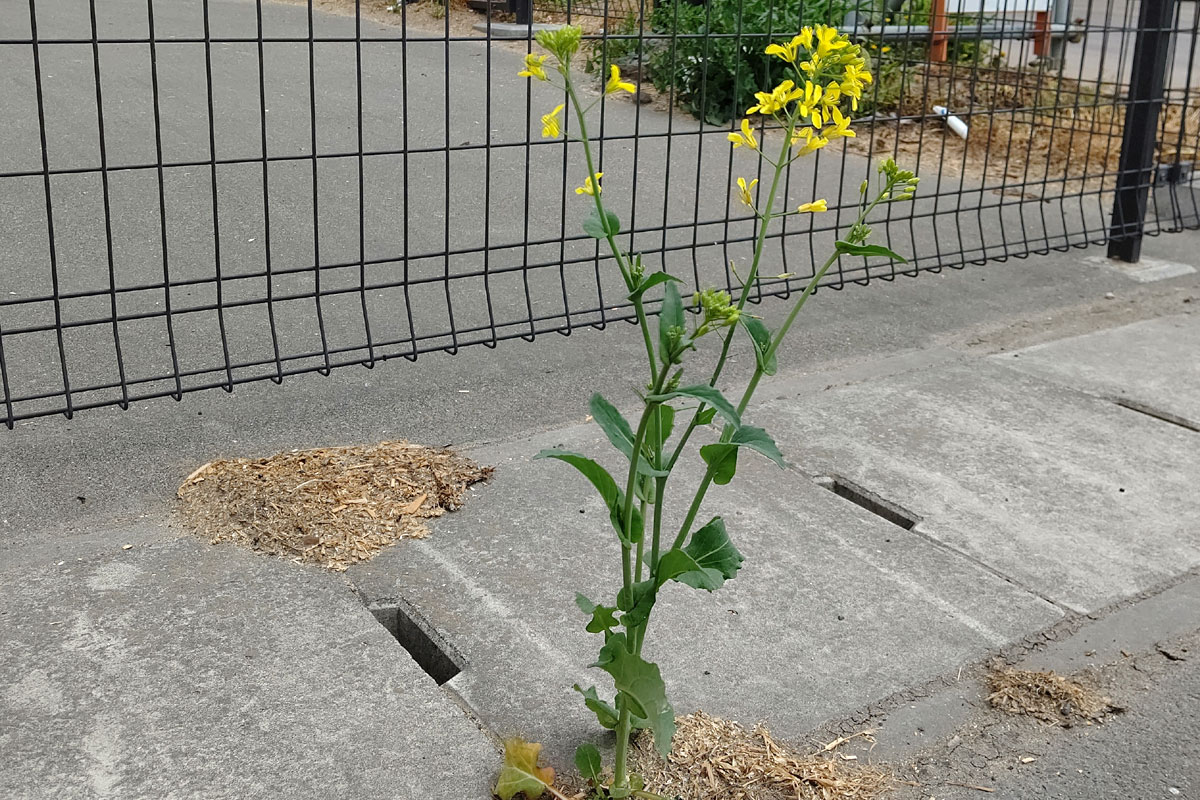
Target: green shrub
{"points": [[714, 77]]}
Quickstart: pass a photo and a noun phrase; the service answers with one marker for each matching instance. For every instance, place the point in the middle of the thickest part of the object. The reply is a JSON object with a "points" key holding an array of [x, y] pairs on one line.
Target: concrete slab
{"points": [[1154, 365], [1074, 497], [183, 670], [833, 608]]}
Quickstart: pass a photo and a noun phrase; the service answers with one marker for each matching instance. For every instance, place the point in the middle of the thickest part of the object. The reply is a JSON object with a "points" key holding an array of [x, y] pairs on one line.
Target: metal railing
{"points": [[197, 195]]}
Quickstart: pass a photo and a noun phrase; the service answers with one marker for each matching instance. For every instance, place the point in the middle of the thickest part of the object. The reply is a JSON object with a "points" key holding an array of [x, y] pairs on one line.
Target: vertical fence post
{"points": [[939, 37], [523, 10], [1147, 87]]}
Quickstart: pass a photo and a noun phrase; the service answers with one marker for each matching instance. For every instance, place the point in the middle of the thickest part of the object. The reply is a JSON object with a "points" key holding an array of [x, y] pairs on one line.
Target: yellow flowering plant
{"points": [[804, 113]]}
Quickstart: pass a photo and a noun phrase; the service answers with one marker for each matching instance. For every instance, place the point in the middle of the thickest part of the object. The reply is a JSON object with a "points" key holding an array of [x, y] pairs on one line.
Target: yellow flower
{"points": [[776, 100], [815, 207], [533, 67], [588, 187], [745, 138], [550, 126], [810, 102], [805, 38], [615, 84], [828, 40], [840, 129], [809, 141], [744, 191], [787, 52]]}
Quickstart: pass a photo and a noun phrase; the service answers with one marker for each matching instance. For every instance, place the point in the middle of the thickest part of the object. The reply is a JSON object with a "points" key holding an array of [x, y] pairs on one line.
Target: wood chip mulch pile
{"points": [[715, 759], [1047, 696], [331, 506]]}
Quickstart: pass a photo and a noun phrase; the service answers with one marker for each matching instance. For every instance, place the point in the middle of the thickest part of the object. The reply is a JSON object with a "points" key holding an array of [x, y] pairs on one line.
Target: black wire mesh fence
{"points": [[196, 195]]}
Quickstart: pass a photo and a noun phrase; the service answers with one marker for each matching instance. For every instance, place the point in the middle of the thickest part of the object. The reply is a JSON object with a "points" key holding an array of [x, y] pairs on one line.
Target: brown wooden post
{"points": [[1041, 33], [939, 36]]}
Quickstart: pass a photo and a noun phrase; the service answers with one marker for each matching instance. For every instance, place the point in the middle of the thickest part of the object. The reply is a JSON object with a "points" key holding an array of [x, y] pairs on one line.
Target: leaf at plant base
{"points": [[618, 431], [721, 457], [600, 228], [587, 761], [602, 616], [708, 394], [706, 562], [613, 497], [640, 683], [521, 773], [669, 316], [761, 339], [605, 713], [651, 280], [846, 248]]}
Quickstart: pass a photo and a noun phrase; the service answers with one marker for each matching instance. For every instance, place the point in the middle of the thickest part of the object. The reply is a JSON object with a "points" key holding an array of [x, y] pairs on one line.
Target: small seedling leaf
{"points": [[602, 616], [521, 773], [640, 684], [587, 761]]}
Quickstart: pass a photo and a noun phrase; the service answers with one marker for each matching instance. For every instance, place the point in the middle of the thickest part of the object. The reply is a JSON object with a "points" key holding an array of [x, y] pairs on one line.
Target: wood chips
{"points": [[331, 506], [715, 759], [1047, 696]]}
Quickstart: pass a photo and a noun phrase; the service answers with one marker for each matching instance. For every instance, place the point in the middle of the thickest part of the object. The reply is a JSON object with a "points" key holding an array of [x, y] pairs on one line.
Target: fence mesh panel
{"points": [[197, 195]]}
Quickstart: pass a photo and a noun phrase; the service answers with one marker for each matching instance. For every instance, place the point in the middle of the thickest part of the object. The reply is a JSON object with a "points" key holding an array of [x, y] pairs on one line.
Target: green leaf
{"points": [[661, 424], [708, 394], [637, 603], [721, 457], [521, 773], [587, 761], [640, 683], [761, 338], [652, 280], [602, 616], [601, 228], [706, 562], [669, 316], [706, 416], [613, 497], [605, 713], [618, 431], [846, 248]]}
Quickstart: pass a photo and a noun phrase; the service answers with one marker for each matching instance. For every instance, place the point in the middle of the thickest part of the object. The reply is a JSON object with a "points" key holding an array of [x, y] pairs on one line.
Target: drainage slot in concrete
{"points": [[432, 653], [870, 501], [1156, 413]]}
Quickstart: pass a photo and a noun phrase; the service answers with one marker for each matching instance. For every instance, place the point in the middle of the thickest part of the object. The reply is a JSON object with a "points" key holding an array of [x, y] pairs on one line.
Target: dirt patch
{"points": [[1031, 134], [1047, 696], [715, 759], [332, 506]]}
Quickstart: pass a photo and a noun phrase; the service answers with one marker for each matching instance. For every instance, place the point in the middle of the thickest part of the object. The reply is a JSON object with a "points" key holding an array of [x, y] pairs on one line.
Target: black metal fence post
{"points": [[1146, 94]]}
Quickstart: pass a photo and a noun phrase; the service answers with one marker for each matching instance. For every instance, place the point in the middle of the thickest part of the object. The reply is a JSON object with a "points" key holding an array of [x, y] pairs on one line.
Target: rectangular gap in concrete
{"points": [[1157, 413], [870, 501], [426, 647]]}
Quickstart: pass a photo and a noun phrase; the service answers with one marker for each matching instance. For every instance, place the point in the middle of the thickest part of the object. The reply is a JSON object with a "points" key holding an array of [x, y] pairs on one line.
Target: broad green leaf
{"points": [[613, 497], [846, 248], [587, 761], [670, 316], [605, 713], [721, 457], [599, 227], [706, 562], [521, 773], [618, 431], [602, 616], [761, 338], [650, 281], [708, 394], [640, 683]]}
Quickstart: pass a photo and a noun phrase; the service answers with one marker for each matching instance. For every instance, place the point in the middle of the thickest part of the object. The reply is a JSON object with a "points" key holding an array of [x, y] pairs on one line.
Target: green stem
{"points": [[620, 769]]}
